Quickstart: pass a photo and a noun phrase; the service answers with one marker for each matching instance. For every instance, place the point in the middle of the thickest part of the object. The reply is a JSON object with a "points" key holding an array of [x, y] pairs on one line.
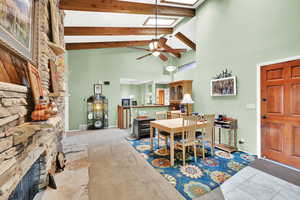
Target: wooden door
{"points": [[280, 112], [161, 97]]}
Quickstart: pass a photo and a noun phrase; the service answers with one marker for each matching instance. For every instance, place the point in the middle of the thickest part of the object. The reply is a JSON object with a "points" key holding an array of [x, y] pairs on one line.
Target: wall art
{"points": [[16, 22], [223, 86]]}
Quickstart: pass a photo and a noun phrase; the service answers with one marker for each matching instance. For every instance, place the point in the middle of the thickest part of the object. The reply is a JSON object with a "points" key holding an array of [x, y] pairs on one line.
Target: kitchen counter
{"points": [[148, 106]]}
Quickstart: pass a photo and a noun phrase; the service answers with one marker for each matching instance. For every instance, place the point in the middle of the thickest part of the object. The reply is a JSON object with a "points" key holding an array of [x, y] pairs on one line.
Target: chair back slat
{"points": [[189, 129], [160, 115], [175, 114], [210, 120]]}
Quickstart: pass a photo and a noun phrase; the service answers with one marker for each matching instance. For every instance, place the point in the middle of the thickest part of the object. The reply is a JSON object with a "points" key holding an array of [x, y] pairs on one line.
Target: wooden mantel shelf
{"points": [[13, 87], [54, 120], [51, 123]]}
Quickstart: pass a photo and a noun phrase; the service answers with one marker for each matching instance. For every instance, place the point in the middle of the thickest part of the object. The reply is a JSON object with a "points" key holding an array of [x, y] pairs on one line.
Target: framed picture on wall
{"points": [[97, 89], [224, 87], [16, 22]]}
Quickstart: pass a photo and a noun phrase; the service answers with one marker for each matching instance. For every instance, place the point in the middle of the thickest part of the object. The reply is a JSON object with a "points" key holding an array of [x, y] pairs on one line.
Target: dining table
{"points": [[174, 127]]}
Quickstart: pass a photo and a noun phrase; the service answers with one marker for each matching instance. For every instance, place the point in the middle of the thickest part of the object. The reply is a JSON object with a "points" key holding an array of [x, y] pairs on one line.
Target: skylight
{"points": [[182, 2], [161, 21]]}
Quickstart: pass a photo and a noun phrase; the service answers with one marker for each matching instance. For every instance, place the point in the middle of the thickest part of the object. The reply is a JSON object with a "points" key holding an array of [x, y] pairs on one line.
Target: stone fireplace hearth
{"points": [[29, 185]]}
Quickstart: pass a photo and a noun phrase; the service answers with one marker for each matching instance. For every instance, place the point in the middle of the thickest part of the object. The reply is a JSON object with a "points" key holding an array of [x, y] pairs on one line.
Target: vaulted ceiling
{"points": [[113, 23]]}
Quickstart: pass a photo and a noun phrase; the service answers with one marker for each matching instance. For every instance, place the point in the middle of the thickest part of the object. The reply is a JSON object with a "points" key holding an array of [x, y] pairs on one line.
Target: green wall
{"points": [[186, 58], [239, 34], [89, 66], [126, 90]]}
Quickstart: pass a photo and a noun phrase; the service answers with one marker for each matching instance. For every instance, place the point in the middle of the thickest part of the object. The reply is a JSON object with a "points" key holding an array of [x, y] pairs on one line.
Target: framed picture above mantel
{"points": [[224, 87], [16, 26]]}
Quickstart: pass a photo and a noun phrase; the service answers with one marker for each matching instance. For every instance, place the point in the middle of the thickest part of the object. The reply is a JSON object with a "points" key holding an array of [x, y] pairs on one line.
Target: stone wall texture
{"points": [[22, 142]]}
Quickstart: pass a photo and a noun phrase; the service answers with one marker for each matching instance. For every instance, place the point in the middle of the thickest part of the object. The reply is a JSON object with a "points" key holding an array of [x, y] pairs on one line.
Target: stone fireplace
{"points": [[29, 185], [24, 143], [28, 149]]}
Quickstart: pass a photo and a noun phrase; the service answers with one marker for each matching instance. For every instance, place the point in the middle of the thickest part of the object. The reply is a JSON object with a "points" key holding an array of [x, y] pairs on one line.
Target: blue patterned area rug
{"points": [[195, 178]]}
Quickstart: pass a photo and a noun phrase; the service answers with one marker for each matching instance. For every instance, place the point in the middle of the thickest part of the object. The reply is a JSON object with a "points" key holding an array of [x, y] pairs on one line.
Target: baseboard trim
{"points": [[281, 164]]}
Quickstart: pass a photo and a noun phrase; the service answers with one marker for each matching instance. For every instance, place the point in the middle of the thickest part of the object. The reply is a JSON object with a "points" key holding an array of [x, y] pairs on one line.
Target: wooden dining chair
{"points": [[175, 114], [189, 139], [162, 116], [206, 132]]}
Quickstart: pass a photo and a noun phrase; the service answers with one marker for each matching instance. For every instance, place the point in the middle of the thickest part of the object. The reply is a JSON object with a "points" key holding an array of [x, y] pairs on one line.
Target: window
{"points": [[161, 21], [187, 66]]}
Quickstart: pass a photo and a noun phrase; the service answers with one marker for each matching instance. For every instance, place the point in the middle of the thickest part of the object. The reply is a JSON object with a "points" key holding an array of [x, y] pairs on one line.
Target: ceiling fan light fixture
{"points": [[171, 68], [153, 45], [156, 53]]}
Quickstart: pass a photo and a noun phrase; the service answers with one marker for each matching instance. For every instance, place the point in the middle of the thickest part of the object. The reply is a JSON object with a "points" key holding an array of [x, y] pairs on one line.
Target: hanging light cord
{"points": [[156, 13]]}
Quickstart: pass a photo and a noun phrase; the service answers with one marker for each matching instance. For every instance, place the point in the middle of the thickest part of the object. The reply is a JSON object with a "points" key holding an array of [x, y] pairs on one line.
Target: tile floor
{"points": [[253, 184]]}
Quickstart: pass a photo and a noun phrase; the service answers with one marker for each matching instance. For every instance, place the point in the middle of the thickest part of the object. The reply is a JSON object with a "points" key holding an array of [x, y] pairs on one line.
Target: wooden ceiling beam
{"points": [[99, 45], [186, 40], [115, 31], [113, 6]]}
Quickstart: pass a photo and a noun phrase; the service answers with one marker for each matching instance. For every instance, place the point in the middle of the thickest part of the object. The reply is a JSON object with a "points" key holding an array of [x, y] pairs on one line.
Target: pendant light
{"points": [[171, 68], [154, 44]]}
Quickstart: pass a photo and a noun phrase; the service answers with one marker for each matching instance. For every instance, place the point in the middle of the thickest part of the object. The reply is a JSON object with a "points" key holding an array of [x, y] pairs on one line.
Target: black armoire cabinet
{"points": [[97, 112]]}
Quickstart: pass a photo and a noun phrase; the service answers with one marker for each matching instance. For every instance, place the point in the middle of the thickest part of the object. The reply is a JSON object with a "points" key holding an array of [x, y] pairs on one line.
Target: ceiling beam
{"points": [[99, 45], [186, 40], [163, 43], [115, 31], [124, 7]]}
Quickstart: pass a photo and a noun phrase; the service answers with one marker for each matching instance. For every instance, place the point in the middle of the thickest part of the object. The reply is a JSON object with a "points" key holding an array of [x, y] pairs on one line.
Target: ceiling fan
{"points": [[158, 46]]}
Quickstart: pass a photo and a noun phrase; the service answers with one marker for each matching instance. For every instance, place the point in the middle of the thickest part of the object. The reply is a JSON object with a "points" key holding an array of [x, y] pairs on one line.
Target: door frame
{"points": [[258, 97]]}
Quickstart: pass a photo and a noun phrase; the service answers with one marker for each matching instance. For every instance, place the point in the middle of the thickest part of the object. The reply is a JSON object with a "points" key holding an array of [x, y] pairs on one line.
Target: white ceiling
{"points": [[94, 19], [101, 19]]}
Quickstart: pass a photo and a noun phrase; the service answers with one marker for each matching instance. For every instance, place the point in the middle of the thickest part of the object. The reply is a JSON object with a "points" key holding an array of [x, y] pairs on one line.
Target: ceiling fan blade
{"points": [[138, 48], [139, 58], [180, 50], [175, 51], [162, 43], [163, 57]]}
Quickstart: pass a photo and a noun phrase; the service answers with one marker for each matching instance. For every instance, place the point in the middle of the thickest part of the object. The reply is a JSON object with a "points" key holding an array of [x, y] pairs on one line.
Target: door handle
{"points": [[264, 117]]}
